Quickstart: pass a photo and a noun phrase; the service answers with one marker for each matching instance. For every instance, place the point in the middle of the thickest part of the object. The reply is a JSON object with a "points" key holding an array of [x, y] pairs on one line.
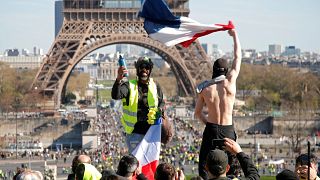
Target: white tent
{"points": [[281, 161]]}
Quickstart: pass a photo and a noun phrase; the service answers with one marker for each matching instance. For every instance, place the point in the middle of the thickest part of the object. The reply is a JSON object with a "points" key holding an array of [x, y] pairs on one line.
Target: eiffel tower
{"points": [[91, 24]]}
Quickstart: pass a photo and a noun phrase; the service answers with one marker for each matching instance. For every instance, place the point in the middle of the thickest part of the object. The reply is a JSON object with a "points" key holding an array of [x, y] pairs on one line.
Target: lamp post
{"points": [[254, 136], [16, 133], [97, 95], [16, 106], [82, 126]]}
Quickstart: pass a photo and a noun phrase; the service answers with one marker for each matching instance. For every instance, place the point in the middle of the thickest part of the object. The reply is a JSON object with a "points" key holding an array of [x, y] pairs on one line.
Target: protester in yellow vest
{"points": [[142, 101], [87, 171]]}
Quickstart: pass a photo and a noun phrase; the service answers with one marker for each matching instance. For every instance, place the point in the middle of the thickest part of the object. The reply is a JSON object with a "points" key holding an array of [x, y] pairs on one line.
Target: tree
{"points": [[7, 87], [70, 97], [295, 128], [78, 83], [281, 87], [166, 80]]}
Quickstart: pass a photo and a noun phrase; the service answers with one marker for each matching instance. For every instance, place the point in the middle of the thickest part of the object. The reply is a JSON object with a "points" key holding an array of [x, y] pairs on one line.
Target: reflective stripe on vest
{"points": [[129, 117], [90, 172]]}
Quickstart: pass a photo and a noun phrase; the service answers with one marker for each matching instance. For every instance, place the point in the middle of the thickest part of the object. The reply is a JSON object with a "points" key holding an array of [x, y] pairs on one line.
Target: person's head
{"points": [[220, 67], [302, 160], [78, 160], [287, 175], [217, 163], [128, 165], [165, 171], [85, 171], [19, 170], [29, 174], [84, 159], [144, 67]]}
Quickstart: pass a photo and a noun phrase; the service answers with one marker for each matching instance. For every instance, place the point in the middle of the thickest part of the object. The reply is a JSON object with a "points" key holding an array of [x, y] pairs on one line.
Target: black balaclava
{"points": [[143, 61], [220, 67]]}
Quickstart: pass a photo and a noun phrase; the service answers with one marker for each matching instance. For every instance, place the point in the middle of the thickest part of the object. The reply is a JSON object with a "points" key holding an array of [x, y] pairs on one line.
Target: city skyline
{"points": [[258, 22]]}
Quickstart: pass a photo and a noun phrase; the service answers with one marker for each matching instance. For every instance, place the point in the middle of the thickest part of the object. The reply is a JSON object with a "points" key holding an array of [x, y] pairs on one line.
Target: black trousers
{"points": [[212, 131]]}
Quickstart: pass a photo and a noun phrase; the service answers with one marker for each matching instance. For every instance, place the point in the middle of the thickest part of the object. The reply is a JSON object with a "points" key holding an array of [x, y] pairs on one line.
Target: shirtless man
{"points": [[219, 98]]}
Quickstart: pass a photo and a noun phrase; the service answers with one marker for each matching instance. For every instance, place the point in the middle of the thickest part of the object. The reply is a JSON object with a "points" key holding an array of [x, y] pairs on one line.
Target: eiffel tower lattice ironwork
{"points": [[91, 24]]}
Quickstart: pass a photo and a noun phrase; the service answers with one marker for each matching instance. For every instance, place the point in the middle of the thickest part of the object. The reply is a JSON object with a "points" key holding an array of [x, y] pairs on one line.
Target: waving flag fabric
{"points": [[162, 25], [148, 151]]}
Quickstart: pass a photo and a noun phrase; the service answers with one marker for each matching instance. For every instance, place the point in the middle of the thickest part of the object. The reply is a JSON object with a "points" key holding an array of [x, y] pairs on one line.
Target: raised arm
{"points": [[120, 89], [235, 69], [247, 166]]}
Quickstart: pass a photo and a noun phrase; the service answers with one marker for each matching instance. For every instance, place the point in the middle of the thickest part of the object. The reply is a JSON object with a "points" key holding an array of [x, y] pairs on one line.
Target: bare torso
{"points": [[219, 99]]}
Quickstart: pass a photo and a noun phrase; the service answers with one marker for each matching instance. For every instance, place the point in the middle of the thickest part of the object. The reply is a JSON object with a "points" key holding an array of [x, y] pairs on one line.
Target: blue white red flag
{"points": [[162, 25], [148, 151]]}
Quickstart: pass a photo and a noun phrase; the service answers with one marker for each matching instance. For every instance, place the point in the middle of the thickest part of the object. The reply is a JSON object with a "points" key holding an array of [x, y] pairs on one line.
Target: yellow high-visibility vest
{"points": [[90, 172], [129, 117]]}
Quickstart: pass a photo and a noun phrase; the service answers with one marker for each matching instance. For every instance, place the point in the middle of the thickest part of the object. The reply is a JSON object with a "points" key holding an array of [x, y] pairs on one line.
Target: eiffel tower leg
{"points": [[85, 30]]}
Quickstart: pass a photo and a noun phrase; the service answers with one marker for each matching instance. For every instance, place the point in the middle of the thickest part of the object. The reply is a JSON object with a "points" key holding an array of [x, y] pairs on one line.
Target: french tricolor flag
{"points": [[162, 25], [148, 151]]}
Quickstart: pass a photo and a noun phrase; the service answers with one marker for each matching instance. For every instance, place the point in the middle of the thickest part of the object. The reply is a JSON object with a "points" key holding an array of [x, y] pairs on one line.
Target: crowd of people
{"points": [[217, 167]]}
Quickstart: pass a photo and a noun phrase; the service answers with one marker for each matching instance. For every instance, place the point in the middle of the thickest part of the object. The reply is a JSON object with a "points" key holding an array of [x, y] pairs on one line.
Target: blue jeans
{"points": [[133, 140]]}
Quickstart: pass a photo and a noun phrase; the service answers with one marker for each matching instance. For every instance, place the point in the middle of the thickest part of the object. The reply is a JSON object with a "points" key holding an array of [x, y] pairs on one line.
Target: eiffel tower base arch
{"points": [[80, 35]]}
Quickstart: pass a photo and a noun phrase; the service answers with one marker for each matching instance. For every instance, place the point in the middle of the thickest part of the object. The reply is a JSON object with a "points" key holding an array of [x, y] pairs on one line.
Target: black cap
{"points": [[217, 161], [220, 67]]}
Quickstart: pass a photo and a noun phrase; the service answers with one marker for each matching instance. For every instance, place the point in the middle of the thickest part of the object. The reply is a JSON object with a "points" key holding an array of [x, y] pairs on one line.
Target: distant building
{"points": [[35, 50], [22, 62], [40, 52], [205, 47], [58, 16], [215, 49], [209, 48], [136, 50], [274, 50], [123, 49], [216, 52], [108, 70], [88, 65], [249, 53], [25, 52], [149, 53], [291, 51], [12, 52]]}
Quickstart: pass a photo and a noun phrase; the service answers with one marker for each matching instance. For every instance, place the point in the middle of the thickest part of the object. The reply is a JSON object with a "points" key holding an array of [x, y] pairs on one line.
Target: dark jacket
{"points": [[121, 90], [247, 166]]}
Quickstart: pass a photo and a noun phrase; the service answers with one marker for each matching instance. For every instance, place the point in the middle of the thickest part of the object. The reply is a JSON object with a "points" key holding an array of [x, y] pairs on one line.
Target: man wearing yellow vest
{"points": [[141, 98], [85, 171]]}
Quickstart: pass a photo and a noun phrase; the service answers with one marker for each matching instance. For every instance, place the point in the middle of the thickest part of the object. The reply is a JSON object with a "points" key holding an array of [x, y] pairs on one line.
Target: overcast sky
{"points": [[28, 23]]}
